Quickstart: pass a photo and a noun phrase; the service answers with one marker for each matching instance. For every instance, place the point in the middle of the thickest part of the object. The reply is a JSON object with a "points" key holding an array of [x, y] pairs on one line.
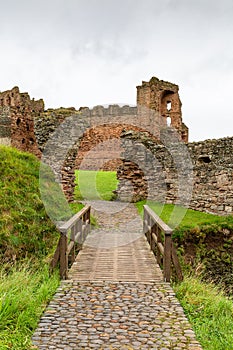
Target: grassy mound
{"points": [[25, 229], [27, 237]]}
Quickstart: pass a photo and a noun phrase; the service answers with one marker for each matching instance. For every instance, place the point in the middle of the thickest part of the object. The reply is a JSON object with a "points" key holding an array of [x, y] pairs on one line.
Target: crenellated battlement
{"points": [[114, 110]]}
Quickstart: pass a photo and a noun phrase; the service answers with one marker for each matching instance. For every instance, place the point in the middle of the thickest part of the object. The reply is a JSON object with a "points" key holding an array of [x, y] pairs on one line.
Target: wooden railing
{"points": [[73, 234], [159, 236]]}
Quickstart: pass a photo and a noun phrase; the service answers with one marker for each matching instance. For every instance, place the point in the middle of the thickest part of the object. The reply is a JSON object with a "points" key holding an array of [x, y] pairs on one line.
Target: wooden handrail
{"points": [[159, 236], [73, 234]]}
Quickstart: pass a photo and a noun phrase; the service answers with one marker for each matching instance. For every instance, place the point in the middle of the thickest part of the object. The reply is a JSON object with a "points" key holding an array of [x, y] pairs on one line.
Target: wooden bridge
{"points": [[115, 295]]}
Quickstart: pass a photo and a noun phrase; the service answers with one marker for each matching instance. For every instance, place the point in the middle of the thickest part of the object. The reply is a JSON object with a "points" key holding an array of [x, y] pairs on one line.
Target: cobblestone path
{"points": [[115, 297]]}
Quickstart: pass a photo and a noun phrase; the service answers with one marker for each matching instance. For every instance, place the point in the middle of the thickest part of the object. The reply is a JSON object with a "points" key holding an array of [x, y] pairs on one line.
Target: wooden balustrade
{"points": [[159, 236], [73, 234]]}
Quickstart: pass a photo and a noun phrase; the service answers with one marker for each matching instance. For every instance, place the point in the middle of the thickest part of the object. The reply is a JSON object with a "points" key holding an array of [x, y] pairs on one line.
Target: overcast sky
{"points": [[91, 52]]}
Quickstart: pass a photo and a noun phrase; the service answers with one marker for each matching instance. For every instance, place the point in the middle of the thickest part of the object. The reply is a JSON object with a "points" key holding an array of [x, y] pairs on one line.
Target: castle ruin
{"points": [[103, 140]]}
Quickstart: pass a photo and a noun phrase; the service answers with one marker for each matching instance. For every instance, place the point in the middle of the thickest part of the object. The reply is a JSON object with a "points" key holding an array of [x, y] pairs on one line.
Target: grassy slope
{"points": [[27, 236], [25, 229], [24, 294], [204, 241], [209, 312], [187, 218]]}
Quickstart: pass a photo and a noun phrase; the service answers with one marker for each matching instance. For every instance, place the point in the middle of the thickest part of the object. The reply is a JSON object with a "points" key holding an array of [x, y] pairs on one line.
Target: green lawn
{"points": [[183, 218], [95, 184]]}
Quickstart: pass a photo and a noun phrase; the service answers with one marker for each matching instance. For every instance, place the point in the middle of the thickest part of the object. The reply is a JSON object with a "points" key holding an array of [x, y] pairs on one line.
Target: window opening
{"points": [[169, 121], [169, 105]]}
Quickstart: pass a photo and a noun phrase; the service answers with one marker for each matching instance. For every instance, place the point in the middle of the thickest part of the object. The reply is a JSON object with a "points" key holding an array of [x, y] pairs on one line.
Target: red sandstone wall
{"points": [[100, 148], [21, 113], [156, 95]]}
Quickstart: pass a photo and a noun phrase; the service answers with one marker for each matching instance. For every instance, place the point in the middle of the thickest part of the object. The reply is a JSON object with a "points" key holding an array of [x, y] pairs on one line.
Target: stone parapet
{"points": [[197, 175]]}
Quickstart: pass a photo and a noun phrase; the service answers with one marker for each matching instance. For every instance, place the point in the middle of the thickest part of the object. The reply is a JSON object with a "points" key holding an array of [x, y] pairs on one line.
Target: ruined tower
{"points": [[17, 112], [163, 97]]}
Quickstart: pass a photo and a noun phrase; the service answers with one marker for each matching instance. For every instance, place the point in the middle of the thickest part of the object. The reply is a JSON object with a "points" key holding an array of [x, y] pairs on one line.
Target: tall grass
{"points": [[208, 309], [25, 229], [209, 312], [27, 237], [24, 294]]}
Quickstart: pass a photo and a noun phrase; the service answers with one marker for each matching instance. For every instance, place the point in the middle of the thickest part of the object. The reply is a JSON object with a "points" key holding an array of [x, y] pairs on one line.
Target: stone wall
{"points": [[48, 121], [86, 139], [17, 112], [198, 175], [5, 126]]}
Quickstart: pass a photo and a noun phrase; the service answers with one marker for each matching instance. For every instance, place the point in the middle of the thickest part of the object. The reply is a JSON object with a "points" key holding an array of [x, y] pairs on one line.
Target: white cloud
{"points": [[91, 52]]}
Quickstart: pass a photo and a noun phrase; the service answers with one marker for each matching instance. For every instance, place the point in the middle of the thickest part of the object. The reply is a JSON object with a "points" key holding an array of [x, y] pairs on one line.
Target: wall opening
{"points": [[205, 158], [169, 106], [169, 121], [18, 121]]}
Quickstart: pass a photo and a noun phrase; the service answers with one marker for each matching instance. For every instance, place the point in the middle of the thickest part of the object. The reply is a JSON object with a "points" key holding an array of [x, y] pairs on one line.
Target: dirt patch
{"points": [[208, 250]]}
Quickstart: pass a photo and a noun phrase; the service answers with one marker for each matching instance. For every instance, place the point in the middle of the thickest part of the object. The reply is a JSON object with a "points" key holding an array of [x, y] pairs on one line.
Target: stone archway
{"points": [[98, 148]]}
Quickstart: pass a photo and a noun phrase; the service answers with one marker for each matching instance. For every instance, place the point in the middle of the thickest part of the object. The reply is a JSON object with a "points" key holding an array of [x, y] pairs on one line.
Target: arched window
{"points": [[169, 121], [169, 106]]}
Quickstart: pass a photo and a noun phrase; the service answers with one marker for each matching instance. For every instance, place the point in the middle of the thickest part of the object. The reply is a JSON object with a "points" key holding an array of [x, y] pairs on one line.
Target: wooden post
{"points": [[72, 238], [56, 256], [159, 240], [153, 243], [151, 231], [154, 229], [176, 263], [144, 223], [63, 257], [167, 256], [89, 220], [79, 229]]}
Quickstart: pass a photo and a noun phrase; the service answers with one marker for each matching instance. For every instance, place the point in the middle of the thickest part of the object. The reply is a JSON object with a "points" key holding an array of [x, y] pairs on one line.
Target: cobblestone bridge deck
{"points": [[115, 297]]}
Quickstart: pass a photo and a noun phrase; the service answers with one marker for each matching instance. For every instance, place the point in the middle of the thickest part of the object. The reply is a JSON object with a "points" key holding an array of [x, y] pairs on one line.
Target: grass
{"points": [[25, 228], [206, 305], [94, 185], [24, 294], [183, 218], [209, 312], [26, 232], [27, 239]]}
